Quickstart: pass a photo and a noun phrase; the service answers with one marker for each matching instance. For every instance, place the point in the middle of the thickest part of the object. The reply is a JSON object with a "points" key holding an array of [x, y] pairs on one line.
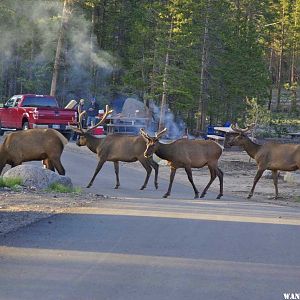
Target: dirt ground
{"points": [[18, 209]]}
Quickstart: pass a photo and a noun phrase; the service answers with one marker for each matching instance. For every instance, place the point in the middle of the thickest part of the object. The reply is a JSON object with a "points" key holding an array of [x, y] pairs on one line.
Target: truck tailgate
{"points": [[55, 116]]}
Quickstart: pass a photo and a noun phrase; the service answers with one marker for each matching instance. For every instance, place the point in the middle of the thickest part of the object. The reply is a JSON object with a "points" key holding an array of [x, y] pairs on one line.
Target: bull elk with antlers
{"points": [[270, 156], [115, 148], [187, 154]]}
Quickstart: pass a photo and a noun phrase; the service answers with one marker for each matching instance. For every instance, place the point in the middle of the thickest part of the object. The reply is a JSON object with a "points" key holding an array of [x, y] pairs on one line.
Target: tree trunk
{"points": [[165, 83], [65, 18], [293, 78], [279, 78], [271, 83], [202, 108]]}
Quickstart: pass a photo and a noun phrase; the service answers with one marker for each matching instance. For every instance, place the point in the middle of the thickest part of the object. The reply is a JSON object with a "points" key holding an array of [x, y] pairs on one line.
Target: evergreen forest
{"points": [[209, 61]]}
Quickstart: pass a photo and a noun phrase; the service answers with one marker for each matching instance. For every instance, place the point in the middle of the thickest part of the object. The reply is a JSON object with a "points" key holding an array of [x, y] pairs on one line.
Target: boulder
{"points": [[293, 177], [38, 177]]}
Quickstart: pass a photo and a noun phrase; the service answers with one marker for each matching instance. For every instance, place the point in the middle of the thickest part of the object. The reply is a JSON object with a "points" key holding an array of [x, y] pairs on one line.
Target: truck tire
{"points": [[1, 131], [25, 125]]}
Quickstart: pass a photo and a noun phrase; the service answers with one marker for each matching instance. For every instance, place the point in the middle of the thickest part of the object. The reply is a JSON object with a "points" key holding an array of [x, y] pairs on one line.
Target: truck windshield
{"points": [[39, 102]]}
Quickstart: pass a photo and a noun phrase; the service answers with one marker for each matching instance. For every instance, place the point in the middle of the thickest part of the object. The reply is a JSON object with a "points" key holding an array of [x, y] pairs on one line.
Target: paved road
{"points": [[145, 247]]}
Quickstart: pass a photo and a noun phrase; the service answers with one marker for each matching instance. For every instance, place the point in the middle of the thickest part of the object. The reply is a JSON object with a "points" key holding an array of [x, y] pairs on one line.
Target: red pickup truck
{"points": [[36, 111]]}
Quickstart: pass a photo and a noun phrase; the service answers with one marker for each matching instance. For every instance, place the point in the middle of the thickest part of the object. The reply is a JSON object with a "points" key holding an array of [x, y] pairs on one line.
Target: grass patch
{"points": [[11, 182], [297, 199], [60, 188]]}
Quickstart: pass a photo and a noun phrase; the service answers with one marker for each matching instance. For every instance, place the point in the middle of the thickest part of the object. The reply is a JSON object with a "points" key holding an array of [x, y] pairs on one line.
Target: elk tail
{"points": [[64, 141]]}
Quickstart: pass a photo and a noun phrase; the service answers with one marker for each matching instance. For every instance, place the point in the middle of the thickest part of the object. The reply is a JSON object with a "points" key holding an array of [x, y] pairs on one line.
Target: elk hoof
{"points": [[89, 185], [116, 187], [142, 187], [219, 196], [156, 185], [166, 195], [196, 196], [249, 196], [202, 195]]}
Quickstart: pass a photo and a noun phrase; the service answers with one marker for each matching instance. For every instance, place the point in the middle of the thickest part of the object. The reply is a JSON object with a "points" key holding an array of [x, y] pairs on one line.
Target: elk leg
{"points": [[256, 178], [98, 168], [220, 176], [275, 180], [147, 166], [47, 162], [189, 174], [155, 166], [213, 176], [116, 165], [172, 175], [58, 166]]}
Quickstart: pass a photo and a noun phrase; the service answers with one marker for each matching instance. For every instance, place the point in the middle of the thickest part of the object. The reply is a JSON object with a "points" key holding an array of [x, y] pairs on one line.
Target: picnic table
{"points": [[126, 124], [222, 139], [294, 134]]}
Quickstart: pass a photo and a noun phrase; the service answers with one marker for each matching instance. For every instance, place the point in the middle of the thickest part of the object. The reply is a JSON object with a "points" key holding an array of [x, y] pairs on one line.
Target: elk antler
{"points": [[144, 134], [158, 135], [107, 112], [236, 128], [79, 128]]}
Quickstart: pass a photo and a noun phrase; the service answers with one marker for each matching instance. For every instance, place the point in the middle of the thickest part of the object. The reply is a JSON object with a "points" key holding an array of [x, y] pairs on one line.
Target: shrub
{"points": [[60, 188], [10, 182]]}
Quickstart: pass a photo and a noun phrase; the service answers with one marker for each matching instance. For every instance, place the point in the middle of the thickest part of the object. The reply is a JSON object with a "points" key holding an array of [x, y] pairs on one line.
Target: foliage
{"points": [[118, 47], [60, 188], [11, 182]]}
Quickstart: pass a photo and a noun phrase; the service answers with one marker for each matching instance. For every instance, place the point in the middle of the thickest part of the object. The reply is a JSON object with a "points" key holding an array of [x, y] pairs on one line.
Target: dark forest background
{"points": [[209, 61]]}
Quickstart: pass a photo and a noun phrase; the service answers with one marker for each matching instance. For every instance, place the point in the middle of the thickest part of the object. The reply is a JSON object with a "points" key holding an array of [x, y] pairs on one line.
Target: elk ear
{"points": [[77, 130]]}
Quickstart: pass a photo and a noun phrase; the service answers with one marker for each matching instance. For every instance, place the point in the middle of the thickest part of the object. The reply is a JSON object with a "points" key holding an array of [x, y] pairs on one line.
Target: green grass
{"points": [[10, 182], [297, 199], [60, 188]]}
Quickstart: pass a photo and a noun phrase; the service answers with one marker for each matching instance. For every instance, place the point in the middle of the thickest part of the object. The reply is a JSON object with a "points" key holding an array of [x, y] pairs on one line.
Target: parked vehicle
{"points": [[36, 111]]}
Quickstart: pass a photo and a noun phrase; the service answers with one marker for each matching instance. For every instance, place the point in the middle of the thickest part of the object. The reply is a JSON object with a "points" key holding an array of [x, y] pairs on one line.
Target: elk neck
{"points": [[164, 151], [250, 147], [93, 143]]}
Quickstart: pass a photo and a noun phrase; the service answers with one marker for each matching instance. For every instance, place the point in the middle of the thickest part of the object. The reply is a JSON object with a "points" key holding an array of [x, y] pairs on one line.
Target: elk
{"points": [[115, 148], [270, 156], [187, 154], [33, 144]]}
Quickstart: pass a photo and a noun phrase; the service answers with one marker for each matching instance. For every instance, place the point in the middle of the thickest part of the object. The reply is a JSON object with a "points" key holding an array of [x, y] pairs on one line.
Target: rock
{"points": [[34, 176], [293, 177], [268, 174]]}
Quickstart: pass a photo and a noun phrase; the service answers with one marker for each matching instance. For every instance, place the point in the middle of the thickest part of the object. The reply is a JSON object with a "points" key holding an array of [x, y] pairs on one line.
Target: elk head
{"points": [[151, 142], [85, 133], [239, 136]]}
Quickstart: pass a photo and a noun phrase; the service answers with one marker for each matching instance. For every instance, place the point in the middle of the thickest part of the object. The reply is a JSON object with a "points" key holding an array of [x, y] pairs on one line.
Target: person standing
{"points": [[92, 112]]}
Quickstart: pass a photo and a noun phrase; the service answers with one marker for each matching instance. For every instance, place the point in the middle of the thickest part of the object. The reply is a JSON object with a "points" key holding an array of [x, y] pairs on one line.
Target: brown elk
{"points": [[187, 154], [270, 156], [33, 144], [115, 148]]}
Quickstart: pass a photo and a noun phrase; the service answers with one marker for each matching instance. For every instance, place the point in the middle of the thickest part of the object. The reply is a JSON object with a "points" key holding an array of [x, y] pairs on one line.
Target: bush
{"points": [[10, 182], [60, 188]]}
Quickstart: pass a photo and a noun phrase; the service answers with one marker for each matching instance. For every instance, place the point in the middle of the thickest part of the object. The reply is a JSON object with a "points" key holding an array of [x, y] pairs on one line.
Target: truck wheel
{"points": [[25, 126], [1, 131]]}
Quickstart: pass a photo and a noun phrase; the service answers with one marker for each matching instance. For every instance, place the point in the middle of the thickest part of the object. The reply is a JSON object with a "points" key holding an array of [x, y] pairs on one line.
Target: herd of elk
{"points": [[270, 156], [33, 144], [187, 154], [48, 144], [115, 148]]}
